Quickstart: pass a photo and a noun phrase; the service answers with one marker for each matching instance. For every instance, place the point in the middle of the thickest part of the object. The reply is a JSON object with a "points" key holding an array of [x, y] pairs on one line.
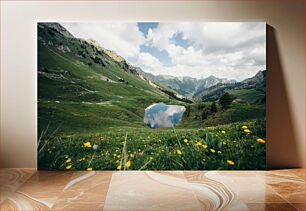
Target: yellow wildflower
{"points": [[68, 167], [186, 140], [246, 131], [83, 158], [117, 161], [151, 158], [119, 167], [179, 152], [212, 150], [128, 164], [204, 146], [68, 160], [244, 127], [219, 152], [87, 144], [199, 143], [224, 143], [230, 162], [260, 140], [89, 169], [118, 156], [115, 155], [223, 131]]}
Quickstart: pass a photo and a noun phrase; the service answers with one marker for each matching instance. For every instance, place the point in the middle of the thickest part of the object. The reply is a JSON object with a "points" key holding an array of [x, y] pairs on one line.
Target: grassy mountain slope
{"points": [[248, 95], [81, 87]]}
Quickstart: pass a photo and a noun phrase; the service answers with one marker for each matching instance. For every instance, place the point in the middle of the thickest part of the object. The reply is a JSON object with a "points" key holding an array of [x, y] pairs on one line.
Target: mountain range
{"points": [[184, 86], [107, 89]]}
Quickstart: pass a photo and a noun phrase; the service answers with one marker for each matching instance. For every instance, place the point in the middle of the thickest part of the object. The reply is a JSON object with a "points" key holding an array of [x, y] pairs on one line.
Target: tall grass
{"points": [[157, 149]]}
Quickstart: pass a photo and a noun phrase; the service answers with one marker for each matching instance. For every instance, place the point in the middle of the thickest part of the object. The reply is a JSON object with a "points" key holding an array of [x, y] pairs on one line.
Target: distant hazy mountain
{"points": [[257, 82], [186, 86], [207, 87]]}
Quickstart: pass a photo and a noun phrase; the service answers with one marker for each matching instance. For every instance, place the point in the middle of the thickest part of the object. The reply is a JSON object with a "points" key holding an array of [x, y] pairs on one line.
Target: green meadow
{"points": [[224, 147]]}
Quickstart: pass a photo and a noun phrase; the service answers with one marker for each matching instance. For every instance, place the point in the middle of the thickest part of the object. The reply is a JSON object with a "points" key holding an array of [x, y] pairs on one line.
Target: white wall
{"points": [[286, 103]]}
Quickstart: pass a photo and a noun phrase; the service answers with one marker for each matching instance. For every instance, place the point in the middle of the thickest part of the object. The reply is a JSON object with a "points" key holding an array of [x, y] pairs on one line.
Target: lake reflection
{"points": [[160, 115]]}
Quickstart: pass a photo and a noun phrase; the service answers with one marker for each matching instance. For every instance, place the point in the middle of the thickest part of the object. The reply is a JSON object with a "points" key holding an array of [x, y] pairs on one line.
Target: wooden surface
{"points": [[28, 189]]}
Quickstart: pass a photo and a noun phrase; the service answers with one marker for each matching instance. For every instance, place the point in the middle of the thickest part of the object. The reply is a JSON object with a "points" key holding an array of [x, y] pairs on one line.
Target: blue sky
{"points": [[145, 26], [230, 50], [162, 55]]}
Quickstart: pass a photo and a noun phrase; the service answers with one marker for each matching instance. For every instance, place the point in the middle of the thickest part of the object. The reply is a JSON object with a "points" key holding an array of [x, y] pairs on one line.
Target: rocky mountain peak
{"points": [[58, 27], [259, 77]]}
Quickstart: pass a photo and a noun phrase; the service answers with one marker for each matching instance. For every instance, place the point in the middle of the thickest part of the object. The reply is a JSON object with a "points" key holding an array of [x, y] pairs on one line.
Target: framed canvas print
{"points": [[151, 95]]}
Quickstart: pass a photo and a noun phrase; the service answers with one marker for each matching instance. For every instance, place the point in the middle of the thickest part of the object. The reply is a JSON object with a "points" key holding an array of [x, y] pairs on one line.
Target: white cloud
{"points": [[150, 63], [124, 38], [183, 56], [227, 50], [193, 65]]}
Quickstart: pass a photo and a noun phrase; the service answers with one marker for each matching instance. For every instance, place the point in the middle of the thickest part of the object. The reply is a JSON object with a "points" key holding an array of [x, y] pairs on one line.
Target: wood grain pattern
{"points": [[27, 189]]}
